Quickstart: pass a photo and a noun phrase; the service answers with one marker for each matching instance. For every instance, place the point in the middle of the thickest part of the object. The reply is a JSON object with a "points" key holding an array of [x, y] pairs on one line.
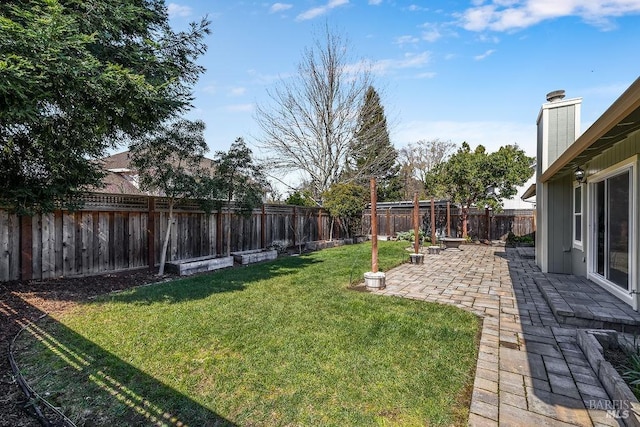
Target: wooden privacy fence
{"points": [[120, 232], [394, 218]]}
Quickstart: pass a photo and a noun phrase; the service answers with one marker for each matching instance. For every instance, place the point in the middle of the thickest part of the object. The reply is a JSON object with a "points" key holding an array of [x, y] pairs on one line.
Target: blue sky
{"points": [[475, 71]]}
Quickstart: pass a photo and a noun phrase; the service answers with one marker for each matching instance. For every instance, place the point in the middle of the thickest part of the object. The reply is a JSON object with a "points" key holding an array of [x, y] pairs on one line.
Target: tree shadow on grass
{"points": [[204, 285], [92, 386]]}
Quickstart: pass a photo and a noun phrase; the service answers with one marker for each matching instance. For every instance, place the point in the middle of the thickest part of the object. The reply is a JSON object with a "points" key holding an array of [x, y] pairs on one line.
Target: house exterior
{"points": [[587, 193], [122, 178]]}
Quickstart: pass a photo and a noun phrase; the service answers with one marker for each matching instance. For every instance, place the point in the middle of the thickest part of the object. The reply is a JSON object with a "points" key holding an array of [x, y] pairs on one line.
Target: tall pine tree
{"points": [[371, 151]]}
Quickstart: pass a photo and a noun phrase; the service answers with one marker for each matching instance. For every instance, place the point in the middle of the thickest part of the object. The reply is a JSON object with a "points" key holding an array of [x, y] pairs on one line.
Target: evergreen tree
{"points": [[78, 77], [371, 151]]}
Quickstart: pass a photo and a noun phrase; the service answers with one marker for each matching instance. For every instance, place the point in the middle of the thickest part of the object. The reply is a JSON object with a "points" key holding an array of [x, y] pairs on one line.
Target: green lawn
{"points": [[281, 343]]}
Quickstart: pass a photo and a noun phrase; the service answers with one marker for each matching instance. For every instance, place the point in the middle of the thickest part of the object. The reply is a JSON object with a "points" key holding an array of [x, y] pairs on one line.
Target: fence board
{"points": [[5, 249], [110, 233]]}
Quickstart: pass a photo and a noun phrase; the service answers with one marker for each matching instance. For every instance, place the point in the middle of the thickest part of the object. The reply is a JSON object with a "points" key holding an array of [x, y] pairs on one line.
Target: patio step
{"points": [[579, 302]]}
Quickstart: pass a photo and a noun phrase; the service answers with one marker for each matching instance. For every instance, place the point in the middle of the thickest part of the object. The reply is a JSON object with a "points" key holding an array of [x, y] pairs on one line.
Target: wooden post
{"points": [[26, 247], [151, 234], [320, 230], [448, 219], [433, 221], [374, 227], [416, 224]]}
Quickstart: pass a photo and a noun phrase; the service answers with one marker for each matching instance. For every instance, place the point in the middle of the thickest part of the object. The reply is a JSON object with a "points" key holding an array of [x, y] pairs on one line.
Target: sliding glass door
{"points": [[612, 212]]}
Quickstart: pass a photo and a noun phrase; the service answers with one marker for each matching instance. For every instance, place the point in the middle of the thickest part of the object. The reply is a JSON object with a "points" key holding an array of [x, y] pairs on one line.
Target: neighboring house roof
{"points": [[620, 119], [122, 178], [529, 192], [121, 162], [115, 183]]}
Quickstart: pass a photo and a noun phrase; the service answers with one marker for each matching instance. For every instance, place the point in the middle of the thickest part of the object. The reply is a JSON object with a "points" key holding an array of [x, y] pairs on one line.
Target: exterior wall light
{"points": [[580, 175]]}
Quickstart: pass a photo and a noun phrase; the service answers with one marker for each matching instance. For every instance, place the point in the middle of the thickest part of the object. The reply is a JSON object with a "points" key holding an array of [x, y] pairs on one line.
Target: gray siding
{"points": [[539, 167], [619, 152], [562, 130], [560, 223]]}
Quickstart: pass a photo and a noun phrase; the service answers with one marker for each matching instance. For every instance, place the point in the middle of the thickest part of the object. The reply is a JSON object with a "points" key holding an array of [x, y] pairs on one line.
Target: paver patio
{"points": [[530, 370]]}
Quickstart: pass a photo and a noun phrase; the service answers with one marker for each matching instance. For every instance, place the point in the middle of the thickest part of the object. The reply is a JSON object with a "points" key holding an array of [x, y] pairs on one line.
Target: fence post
{"points": [[151, 234], [320, 230], [26, 247]]}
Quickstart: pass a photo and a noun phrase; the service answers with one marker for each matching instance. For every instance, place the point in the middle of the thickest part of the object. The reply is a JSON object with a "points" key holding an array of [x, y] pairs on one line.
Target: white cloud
{"points": [[431, 35], [279, 7], [428, 75], [319, 11], [402, 40], [484, 55], [492, 135], [416, 8], [410, 60], [237, 91], [175, 10], [507, 15], [239, 108], [210, 89]]}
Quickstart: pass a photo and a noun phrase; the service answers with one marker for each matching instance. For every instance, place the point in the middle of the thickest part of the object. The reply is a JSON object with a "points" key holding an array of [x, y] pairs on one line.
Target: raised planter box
{"points": [[253, 256], [198, 265], [452, 242], [324, 244], [622, 404]]}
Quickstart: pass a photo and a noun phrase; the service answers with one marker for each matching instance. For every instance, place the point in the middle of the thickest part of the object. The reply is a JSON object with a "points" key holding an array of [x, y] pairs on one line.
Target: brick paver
{"points": [[530, 371]]}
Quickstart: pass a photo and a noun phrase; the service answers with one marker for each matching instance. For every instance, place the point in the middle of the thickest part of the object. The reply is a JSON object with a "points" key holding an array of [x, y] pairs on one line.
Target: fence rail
{"points": [[114, 232], [481, 224]]}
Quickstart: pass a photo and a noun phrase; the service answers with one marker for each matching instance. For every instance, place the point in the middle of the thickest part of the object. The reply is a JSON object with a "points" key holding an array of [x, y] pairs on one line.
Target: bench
{"points": [[452, 242]]}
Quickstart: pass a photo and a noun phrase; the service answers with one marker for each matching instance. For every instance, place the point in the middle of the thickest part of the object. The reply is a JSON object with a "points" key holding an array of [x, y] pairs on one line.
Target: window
{"points": [[577, 217]]}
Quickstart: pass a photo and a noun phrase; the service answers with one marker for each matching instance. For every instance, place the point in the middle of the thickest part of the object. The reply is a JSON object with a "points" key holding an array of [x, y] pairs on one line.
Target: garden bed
{"points": [[190, 266], [254, 256], [605, 350]]}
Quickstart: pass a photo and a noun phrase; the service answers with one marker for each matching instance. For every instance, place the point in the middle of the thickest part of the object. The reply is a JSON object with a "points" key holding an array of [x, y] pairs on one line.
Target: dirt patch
{"points": [[21, 302]]}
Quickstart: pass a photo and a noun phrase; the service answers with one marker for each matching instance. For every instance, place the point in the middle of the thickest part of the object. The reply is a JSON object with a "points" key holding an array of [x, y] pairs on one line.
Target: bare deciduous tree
{"points": [[419, 159], [310, 122]]}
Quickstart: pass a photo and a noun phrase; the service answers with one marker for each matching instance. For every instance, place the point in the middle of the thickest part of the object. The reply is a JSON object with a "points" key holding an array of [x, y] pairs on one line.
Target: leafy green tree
{"points": [[345, 201], [371, 153], [301, 198], [78, 77], [236, 177], [477, 178], [169, 163]]}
